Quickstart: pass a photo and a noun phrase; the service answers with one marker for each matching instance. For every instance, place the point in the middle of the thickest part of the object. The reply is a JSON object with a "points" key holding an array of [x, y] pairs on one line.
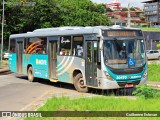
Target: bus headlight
{"points": [[108, 76], [145, 74]]}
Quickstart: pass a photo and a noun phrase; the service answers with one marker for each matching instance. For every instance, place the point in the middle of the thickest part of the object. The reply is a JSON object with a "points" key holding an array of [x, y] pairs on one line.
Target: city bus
{"points": [[102, 57]]}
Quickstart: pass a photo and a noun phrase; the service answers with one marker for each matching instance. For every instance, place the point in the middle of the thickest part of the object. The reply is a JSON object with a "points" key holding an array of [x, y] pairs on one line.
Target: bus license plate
{"points": [[129, 85]]}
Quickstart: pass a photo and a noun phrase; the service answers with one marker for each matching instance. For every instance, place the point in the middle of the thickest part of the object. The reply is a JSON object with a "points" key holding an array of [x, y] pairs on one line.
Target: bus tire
{"points": [[30, 74], [79, 83]]}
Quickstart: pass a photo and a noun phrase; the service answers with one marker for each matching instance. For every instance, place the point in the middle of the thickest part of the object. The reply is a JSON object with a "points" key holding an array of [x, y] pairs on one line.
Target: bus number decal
{"points": [[121, 77]]}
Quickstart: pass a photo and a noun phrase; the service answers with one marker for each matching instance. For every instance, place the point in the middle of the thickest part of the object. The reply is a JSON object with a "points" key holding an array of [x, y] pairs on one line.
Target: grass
{"points": [[154, 72], [151, 29], [99, 104]]}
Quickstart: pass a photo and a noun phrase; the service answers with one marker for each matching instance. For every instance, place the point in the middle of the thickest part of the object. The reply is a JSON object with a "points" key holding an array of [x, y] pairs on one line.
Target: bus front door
{"points": [[91, 63], [52, 60], [19, 56]]}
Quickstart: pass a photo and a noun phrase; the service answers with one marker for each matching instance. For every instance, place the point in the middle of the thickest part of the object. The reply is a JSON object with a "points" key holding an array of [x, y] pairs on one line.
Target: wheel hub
{"points": [[81, 83]]}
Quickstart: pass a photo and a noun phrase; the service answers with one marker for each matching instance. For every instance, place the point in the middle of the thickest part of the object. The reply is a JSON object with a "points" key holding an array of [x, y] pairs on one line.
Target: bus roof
{"points": [[68, 30]]}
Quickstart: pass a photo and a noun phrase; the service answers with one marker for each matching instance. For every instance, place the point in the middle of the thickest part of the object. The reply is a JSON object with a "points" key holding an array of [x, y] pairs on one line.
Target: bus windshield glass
{"points": [[121, 54]]}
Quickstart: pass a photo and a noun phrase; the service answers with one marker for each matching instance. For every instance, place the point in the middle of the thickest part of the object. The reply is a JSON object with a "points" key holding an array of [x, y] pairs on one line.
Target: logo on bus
{"points": [[41, 62]]}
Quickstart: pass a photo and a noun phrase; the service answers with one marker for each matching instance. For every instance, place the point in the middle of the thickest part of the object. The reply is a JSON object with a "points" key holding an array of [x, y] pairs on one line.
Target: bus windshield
{"points": [[121, 54]]}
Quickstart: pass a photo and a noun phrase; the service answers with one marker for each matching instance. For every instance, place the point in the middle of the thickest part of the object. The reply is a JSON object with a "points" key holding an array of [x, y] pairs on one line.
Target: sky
{"points": [[124, 3]]}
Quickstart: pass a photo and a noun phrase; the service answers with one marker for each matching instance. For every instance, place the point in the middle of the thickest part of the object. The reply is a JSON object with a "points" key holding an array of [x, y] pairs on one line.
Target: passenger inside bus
{"points": [[12, 50], [44, 50], [122, 53], [62, 52], [80, 50]]}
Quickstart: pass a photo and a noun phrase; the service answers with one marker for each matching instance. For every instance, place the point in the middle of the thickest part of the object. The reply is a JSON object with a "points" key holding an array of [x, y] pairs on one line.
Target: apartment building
{"points": [[152, 11]]}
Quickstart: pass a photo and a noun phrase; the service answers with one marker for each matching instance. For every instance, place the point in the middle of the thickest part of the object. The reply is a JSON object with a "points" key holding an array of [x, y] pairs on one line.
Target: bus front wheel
{"points": [[30, 74], [79, 83]]}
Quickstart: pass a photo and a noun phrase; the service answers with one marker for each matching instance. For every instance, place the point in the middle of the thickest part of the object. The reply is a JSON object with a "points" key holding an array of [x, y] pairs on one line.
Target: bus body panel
{"points": [[12, 62], [129, 78], [67, 65], [39, 64], [125, 78]]}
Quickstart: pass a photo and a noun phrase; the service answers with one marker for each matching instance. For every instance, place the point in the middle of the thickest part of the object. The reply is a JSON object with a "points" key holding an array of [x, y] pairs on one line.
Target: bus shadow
{"points": [[112, 92]]}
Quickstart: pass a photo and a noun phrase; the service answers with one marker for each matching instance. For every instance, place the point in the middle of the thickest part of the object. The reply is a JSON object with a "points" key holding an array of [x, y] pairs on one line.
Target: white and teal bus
{"points": [[99, 57]]}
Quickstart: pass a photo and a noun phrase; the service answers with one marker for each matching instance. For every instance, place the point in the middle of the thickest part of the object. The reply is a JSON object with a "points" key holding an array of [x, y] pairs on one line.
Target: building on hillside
{"points": [[115, 5], [120, 18], [152, 12]]}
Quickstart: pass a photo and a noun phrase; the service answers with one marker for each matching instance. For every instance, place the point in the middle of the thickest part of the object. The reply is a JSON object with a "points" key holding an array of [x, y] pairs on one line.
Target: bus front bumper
{"points": [[108, 84]]}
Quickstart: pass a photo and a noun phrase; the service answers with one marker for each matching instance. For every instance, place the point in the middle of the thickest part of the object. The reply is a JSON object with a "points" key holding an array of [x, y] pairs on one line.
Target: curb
{"points": [[4, 70]]}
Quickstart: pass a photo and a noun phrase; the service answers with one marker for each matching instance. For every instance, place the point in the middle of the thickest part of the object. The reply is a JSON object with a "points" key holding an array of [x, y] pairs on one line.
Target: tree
{"points": [[82, 13], [124, 9], [132, 9], [108, 9], [158, 46]]}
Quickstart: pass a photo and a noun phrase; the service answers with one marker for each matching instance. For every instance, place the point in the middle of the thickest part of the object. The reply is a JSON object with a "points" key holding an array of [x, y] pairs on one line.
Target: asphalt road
{"points": [[18, 94]]}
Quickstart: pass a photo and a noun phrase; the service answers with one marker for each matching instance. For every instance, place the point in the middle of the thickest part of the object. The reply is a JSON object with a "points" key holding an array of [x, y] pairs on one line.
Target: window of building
{"points": [[77, 46], [35, 45], [12, 46], [155, 11], [146, 7], [65, 45], [154, 6]]}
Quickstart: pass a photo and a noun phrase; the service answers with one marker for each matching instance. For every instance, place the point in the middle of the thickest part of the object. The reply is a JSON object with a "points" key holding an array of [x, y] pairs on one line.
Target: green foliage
{"points": [[108, 9], [82, 13], [144, 91], [151, 29], [124, 9], [158, 46], [153, 72], [132, 9]]}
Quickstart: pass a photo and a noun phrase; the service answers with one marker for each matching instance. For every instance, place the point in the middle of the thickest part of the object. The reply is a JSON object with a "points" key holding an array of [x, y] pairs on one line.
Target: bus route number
{"points": [[121, 77]]}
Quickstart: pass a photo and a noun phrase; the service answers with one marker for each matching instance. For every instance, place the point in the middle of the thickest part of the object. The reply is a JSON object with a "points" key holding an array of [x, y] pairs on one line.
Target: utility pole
{"points": [[2, 32], [151, 43], [129, 16]]}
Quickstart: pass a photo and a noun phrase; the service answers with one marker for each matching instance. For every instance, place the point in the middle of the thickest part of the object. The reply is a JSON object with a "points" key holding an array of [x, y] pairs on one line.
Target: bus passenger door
{"points": [[19, 56], [91, 63], [52, 52]]}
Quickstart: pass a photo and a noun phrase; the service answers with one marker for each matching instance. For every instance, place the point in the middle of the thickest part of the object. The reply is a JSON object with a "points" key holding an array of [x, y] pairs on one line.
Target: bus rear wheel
{"points": [[30, 74], [79, 83]]}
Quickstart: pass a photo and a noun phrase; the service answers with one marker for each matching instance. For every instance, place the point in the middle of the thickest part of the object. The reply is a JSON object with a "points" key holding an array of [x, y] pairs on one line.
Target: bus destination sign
{"points": [[119, 33]]}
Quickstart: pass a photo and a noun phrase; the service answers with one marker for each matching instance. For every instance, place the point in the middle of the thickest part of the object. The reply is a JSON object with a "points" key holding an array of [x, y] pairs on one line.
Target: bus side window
{"points": [[65, 45], [62, 52], [77, 46], [36, 45], [12, 45]]}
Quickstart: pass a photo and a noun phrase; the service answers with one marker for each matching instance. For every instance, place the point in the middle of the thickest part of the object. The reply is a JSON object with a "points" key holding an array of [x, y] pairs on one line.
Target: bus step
{"points": [[53, 80]]}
